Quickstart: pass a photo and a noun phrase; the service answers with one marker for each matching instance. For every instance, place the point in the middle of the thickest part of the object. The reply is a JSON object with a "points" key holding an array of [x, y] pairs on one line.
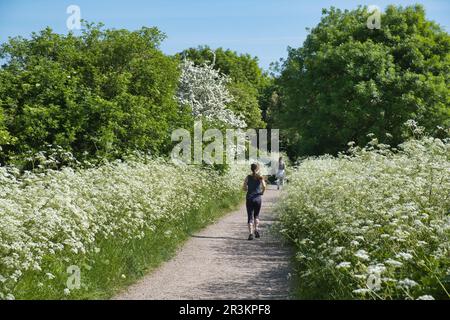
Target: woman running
{"points": [[255, 186]]}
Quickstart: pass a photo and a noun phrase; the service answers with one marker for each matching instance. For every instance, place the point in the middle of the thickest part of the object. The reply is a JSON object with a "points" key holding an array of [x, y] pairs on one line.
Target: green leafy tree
{"points": [[106, 92], [348, 80], [4, 134]]}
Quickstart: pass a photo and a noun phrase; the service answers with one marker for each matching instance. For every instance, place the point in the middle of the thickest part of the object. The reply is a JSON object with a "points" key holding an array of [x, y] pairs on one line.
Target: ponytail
{"points": [[254, 167]]}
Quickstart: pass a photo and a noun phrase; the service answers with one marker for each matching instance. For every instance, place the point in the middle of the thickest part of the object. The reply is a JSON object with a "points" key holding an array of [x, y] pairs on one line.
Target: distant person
{"points": [[255, 186], [280, 172]]}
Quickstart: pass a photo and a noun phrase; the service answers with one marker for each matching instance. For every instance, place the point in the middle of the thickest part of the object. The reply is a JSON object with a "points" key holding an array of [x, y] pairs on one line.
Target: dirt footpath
{"points": [[220, 263]]}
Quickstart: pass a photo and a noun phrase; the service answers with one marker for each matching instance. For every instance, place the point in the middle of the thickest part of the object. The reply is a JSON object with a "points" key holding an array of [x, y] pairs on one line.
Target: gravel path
{"points": [[220, 263]]}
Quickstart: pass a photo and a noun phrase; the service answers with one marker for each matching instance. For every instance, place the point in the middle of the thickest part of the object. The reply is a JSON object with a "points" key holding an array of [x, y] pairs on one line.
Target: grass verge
{"points": [[116, 265]]}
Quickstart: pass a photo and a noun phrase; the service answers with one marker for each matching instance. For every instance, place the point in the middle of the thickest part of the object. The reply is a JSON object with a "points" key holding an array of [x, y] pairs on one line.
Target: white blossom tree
{"points": [[204, 90]]}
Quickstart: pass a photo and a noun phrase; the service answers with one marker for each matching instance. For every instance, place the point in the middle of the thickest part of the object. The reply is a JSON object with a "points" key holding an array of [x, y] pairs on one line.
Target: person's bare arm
{"points": [[264, 186], [245, 185]]}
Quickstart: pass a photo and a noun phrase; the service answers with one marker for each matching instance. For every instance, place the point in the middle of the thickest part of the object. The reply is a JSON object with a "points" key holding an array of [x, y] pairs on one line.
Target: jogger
{"points": [[255, 186]]}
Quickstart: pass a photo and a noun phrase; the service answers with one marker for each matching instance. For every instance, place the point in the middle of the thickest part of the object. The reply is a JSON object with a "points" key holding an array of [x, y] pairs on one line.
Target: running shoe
{"points": [[257, 235], [250, 237]]}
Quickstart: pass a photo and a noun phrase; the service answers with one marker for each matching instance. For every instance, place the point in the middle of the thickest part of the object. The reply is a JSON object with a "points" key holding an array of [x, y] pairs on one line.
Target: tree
{"points": [[204, 91], [348, 81], [104, 93], [4, 134], [247, 79]]}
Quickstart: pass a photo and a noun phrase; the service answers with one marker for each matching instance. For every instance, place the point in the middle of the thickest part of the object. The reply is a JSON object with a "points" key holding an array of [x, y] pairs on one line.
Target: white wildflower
{"points": [[50, 276], [362, 254], [393, 262], [404, 256], [344, 265], [377, 269], [361, 291], [407, 283], [425, 297], [337, 250], [354, 243], [10, 296]]}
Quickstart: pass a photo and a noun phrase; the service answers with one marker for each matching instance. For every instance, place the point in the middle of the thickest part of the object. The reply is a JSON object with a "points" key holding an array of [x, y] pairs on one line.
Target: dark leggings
{"points": [[253, 208]]}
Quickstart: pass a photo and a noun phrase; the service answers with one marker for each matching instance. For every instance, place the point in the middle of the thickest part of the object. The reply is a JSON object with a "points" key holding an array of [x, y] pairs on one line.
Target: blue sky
{"points": [[263, 28]]}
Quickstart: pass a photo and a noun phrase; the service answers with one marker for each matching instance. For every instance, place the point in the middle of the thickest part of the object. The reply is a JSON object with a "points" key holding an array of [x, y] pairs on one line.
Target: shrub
{"points": [[100, 216], [103, 93], [374, 224]]}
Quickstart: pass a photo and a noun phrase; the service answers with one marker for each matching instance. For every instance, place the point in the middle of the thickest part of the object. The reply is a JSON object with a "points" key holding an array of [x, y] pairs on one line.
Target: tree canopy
{"points": [[347, 80], [108, 92], [102, 93], [247, 79], [204, 91]]}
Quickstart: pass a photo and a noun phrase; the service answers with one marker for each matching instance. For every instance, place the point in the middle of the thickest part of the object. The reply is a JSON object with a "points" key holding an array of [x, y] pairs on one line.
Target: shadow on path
{"points": [[220, 263]]}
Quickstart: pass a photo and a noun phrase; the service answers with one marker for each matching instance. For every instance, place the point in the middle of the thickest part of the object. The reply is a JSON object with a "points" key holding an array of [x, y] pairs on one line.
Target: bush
{"points": [[118, 218], [374, 224], [103, 93]]}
